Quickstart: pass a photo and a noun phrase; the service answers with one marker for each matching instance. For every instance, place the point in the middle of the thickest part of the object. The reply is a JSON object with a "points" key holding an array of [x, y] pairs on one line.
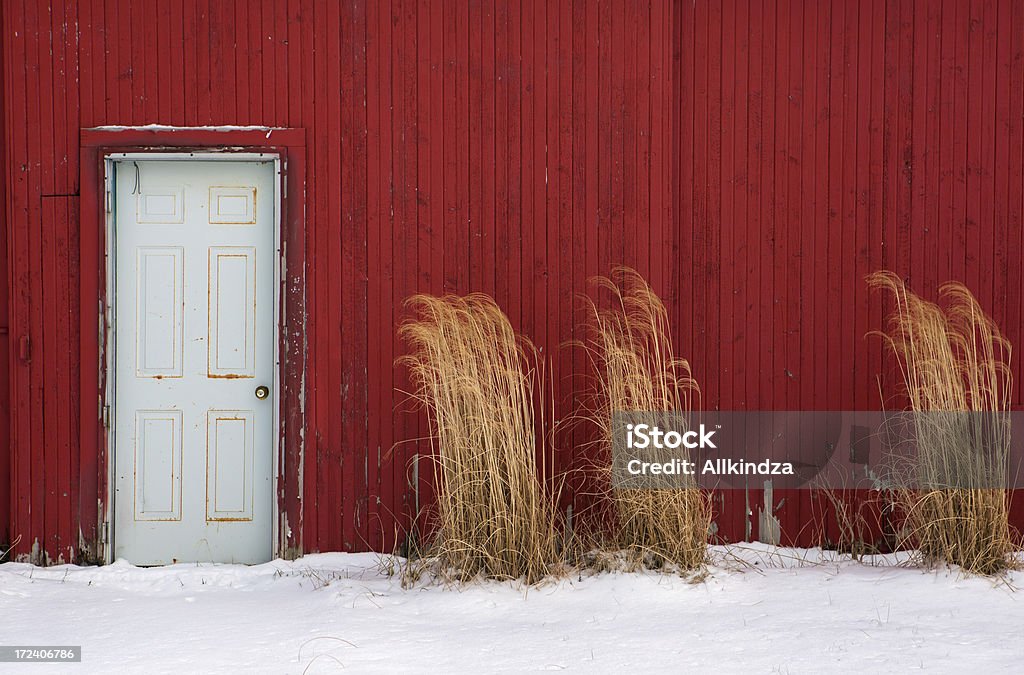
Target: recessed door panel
{"points": [[229, 465], [160, 206], [232, 321], [158, 465], [232, 205], [160, 312], [195, 335]]}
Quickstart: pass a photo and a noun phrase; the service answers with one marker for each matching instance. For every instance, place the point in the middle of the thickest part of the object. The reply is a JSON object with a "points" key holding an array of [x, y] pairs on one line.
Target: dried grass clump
{"points": [[637, 370], [853, 516], [477, 380], [955, 367]]}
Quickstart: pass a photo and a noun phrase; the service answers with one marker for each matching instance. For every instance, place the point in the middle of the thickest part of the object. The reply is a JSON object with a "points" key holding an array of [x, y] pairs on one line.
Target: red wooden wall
{"points": [[753, 160], [814, 143]]}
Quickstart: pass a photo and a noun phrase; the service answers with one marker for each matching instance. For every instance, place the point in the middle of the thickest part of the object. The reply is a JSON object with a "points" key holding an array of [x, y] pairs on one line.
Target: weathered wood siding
{"points": [[753, 160]]}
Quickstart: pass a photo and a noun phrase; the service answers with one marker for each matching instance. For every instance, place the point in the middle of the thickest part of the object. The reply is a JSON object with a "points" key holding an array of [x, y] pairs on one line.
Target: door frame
{"points": [[100, 147]]}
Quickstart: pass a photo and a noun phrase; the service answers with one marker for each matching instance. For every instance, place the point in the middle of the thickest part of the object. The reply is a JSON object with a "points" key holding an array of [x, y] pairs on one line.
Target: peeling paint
{"points": [[769, 530]]}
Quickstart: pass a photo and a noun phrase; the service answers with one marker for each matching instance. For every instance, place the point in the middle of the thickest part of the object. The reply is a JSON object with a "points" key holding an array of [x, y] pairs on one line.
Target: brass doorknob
{"points": [[262, 392]]}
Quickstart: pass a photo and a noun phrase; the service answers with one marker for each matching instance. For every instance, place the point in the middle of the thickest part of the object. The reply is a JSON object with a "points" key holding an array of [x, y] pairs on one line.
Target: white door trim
{"points": [[109, 340]]}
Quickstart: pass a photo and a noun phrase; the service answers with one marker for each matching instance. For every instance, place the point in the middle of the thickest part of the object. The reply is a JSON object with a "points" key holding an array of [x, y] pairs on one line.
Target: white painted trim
{"points": [[169, 127], [109, 345], [225, 155], [279, 278], [108, 353]]}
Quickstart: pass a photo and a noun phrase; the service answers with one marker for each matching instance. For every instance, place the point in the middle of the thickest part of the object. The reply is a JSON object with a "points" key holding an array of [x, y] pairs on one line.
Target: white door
{"points": [[194, 346]]}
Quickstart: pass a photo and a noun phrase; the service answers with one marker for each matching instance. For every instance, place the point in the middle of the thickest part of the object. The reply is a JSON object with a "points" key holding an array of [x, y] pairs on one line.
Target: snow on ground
{"points": [[759, 610]]}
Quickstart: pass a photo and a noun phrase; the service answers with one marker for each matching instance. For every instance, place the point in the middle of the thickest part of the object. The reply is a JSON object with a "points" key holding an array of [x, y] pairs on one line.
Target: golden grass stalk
{"points": [[477, 380], [955, 368], [637, 370], [853, 516]]}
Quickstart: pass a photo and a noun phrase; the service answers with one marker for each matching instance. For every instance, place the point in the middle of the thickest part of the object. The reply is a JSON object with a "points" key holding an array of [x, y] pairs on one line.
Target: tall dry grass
{"points": [[478, 380], [955, 367], [637, 370]]}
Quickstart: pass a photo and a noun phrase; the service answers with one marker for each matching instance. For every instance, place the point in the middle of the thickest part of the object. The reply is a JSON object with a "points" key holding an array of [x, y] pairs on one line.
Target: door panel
{"points": [[157, 465], [160, 312], [232, 205], [195, 335], [232, 327], [229, 468]]}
